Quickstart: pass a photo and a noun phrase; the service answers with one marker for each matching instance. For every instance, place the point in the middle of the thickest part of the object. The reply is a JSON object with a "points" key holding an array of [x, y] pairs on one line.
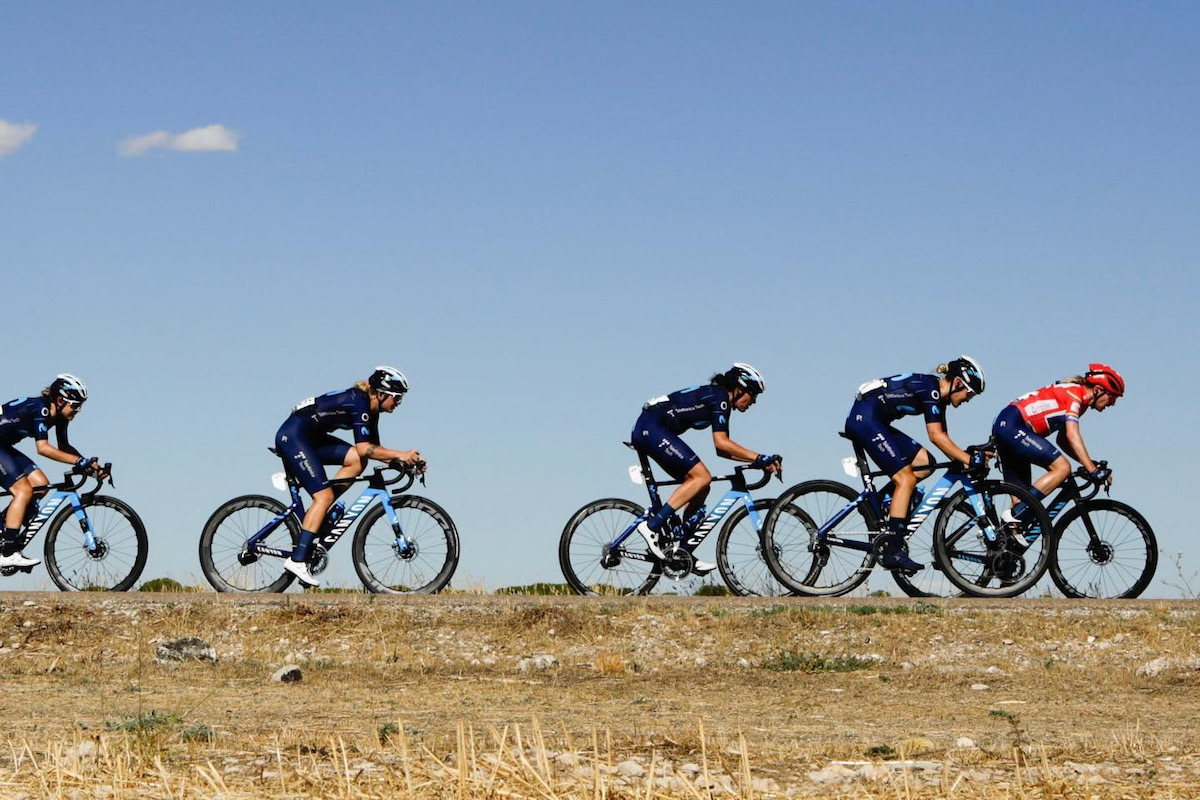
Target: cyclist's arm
{"points": [[381, 453], [60, 432], [47, 450], [941, 440], [1071, 440], [727, 448]]}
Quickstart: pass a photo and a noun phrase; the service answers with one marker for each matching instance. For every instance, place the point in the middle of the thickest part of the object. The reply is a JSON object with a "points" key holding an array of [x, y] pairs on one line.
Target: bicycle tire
{"points": [[118, 561], [789, 536], [586, 535], [224, 537], [740, 555], [1088, 573], [425, 569], [982, 567]]}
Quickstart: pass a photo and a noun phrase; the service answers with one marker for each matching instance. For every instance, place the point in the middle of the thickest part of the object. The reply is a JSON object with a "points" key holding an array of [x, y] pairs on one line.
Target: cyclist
{"points": [[881, 402], [656, 435], [56, 406], [1020, 431], [305, 442]]}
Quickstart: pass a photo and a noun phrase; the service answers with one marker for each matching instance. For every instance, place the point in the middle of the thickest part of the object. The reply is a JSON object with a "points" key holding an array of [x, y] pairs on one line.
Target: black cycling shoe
{"points": [[893, 553]]}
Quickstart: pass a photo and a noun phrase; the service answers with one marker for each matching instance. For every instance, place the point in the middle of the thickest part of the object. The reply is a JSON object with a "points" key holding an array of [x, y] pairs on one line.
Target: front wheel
{"points": [[740, 554], [981, 554], [228, 563], [818, 539], [590, 562], [117, 557], [421, 560], [1103, 548]]}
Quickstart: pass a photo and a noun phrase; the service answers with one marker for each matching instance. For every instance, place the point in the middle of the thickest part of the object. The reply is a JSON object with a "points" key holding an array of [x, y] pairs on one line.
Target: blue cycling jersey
{"points": [[346, 410], [904, 396], [696, 408], [25, 417]]}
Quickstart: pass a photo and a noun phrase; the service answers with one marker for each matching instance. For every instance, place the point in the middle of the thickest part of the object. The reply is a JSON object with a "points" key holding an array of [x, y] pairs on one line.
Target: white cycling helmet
{"points": [[388, 380], [749, 378], [68, 387]]}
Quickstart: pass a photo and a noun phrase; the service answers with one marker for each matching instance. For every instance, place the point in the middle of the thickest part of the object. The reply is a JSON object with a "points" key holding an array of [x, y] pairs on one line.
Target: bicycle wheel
{"points": [[118, 558], [223, 556], [587, 560], [807, 564], [975, 550], [740, 555], [931, 581], [427, 561], [1119, 562]]}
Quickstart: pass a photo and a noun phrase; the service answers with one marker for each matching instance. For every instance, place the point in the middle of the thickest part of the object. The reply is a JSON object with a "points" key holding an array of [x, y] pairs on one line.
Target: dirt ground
{"points": [[484, 696]]}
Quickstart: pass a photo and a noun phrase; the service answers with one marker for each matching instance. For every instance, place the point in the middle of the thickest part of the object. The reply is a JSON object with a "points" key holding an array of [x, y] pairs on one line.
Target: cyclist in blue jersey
{"points": [[56, 406], [881, 402], [656, 434], [305, 443]]}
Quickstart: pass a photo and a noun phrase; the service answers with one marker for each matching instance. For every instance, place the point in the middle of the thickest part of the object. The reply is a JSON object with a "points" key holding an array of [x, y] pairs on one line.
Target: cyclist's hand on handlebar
{"points": [[772, 464], [1101, 476], [85, 465]]}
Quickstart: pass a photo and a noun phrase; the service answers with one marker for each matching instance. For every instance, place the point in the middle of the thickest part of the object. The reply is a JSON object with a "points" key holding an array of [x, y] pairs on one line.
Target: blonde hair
{"points": [[366, 387], [1078, 379], [942, 369]]}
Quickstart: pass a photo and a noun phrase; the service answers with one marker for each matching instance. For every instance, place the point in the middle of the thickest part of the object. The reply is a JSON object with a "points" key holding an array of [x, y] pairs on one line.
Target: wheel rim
{"points": [[413, 565], [113, 559], [815, 566], [590, 541], [1113, 566], [227, 549]]}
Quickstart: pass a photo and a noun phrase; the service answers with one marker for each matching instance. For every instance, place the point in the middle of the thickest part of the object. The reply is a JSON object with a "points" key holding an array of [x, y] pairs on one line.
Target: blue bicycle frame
{"points": [[739, 491], [326, 539]]}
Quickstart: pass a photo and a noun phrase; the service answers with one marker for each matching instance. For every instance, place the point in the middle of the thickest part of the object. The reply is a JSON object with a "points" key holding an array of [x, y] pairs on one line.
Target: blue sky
{"points": [[545, 213]]}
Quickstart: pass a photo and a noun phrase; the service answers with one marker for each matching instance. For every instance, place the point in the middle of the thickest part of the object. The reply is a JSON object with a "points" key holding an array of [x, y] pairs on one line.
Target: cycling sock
{"points": [[897, 525], [303, 546], [9, 545], [656, 522], [1020, 508]]}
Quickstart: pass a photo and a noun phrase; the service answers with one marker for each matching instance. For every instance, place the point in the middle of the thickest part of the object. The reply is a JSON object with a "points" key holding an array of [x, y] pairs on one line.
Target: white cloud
{"points": [[13, 136], [208, 139]]}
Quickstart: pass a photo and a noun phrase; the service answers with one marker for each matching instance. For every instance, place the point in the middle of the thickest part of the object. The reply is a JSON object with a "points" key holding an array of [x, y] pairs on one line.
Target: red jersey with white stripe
{"points": [[1052, 407]]}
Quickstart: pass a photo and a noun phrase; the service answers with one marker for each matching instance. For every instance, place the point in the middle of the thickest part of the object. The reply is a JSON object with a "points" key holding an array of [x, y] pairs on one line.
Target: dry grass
{"points": [[648, 698]]}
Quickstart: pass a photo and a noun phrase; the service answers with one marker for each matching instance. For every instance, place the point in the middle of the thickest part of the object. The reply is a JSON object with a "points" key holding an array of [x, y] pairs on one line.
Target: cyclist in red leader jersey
{"points": [[1021, 429]]}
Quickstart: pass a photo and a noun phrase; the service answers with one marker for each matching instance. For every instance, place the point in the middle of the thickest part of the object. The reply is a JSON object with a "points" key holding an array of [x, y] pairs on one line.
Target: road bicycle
{"points": [[820, 537], [403, 544], [1102, 547], [598, 555], [94, 543]]}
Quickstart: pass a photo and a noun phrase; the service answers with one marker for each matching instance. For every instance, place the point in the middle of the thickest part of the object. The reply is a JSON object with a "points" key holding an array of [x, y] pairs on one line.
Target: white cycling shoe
{"points": [[1014, 527], [702, 567], [18, 559], [651, 540], [300, 570]]}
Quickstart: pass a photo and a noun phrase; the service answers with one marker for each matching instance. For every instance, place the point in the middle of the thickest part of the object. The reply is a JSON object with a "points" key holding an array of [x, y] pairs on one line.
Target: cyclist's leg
{"points": [[302, 461], [654, 440], [906, 462], [1020, 448], [19, 475]]}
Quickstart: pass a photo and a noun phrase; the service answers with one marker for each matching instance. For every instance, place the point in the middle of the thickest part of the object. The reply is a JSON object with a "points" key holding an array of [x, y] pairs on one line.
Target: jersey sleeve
{"points": [[42, 425], [720, 411], [932, 403], [365, 425]]}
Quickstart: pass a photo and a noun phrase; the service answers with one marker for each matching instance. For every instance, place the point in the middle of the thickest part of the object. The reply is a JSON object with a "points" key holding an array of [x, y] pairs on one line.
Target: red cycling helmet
{"points": [[1106, 378]]}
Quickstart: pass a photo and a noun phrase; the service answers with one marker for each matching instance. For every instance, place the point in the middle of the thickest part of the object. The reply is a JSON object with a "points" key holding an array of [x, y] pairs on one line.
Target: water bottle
{"points": [[335, 513]]}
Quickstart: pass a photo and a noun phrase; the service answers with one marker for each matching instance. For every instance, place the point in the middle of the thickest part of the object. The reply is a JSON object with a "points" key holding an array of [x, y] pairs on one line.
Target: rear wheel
{"points": [[591, 565], [1118, 561], [422, 563], [116, 560], [807, 563], [982, 555], [224, 557]]}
